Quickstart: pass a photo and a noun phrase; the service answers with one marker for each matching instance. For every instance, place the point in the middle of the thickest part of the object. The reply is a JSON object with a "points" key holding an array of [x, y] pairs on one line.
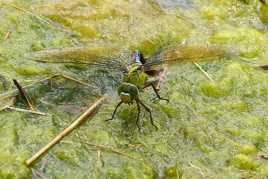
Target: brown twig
{"points": [[75, 80], [263, 156], [28, 12], [66, 131], [7, 36], [203, 71], [26, 111], [99, 158], [110, 149], [12, 93], [264, 67], [264, 2], [24, 95]]}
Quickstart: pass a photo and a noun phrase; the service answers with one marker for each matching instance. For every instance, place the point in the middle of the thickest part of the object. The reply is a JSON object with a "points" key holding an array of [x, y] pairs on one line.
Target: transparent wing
{"points": [[102, 58], [185, 53]]}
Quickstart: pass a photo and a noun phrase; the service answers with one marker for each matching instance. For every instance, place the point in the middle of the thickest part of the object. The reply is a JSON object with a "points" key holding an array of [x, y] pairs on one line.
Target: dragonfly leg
{"points": [[114, 112], [157, 94], [151, 117], [153, 83], [138, 116]]}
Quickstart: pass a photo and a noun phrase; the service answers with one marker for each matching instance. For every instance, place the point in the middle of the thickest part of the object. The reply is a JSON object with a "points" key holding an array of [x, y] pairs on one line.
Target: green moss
{"points": [[233, 131], [248, 149], [257, 137], [211, 12], [264, 170], [66, 156], [13, 167], [214, 90], [189, 132], [250, 52], [242, 161], [239, 106], [60, 19], [95, 2], [170, 111], [37, 46], [8, 136], [99, 137], [264, 13], [173, 172], [30, 70], [237, 35], [128, 171], [86, 31]]}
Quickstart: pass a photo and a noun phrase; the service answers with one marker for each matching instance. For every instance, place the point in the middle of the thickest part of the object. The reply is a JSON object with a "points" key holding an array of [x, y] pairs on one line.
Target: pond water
{"points": [[215, 125], [171, 4]]}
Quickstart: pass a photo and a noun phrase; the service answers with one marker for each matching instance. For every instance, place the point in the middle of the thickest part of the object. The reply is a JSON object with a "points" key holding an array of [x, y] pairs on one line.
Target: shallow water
{"points": [[208, 130], [171, 4]]}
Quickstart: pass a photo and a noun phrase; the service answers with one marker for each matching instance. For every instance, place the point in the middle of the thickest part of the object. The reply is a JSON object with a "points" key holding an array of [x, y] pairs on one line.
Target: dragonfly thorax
{"points": [[135, 76]]}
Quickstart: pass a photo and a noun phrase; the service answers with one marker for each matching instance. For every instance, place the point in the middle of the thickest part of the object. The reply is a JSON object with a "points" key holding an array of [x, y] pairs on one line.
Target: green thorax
{"points": [[135, 76]]}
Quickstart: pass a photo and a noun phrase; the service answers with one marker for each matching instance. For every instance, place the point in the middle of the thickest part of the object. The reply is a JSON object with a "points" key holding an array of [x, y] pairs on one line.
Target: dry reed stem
{"points": [[26, 111], [24, 95], [203, 71], [65, 132]]}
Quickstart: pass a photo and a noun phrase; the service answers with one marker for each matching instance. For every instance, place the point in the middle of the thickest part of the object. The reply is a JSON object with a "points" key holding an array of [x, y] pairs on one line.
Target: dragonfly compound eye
{"points": [[128, 92], [136, 55], [125, 97]]}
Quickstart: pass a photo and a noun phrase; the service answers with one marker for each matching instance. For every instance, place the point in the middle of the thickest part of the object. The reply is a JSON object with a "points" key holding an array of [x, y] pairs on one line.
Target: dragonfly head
{"points": [[125, 97], [137, 57], [127, 92]]}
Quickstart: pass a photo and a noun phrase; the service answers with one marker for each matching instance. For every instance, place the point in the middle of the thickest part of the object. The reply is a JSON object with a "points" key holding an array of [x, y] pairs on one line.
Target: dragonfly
{"points": [[138, 73]]}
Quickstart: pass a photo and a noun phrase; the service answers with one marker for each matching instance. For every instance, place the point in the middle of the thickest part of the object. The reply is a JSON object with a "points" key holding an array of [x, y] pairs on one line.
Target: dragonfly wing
{"points": [[184, 53], [99, 57], [84, 54]]}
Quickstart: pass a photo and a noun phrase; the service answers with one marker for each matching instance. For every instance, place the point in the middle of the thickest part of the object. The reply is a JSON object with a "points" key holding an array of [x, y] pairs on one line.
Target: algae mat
{"points": [[208, 130]]}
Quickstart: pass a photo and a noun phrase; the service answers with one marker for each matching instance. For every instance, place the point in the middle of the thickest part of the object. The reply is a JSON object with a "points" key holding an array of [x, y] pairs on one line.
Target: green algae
{"points": [[243, 162], [248, 149], [208, 130]]}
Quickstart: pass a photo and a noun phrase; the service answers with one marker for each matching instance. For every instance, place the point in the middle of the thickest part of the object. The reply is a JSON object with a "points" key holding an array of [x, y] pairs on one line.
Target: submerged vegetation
{"points": [[215, 125]]}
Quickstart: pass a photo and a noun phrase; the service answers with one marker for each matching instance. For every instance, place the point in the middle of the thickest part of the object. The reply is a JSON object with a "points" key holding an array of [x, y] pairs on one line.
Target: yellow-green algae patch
{"points": [[208, 129]]}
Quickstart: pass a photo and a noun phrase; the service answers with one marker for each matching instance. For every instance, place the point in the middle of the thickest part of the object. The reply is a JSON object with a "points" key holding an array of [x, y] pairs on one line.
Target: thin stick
{"points": [[75, 80], [263, 156], [200, 170], [110, 149], [10, 103], [204, 72], [40, 18], [26, 111], [99, 158], [14, 92], [7, 36], [24, 95], [66, 131], [29, 12]]}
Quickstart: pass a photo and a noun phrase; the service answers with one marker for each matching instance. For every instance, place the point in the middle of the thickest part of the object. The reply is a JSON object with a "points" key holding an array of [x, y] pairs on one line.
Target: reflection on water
{"points": [[169, 4]]}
